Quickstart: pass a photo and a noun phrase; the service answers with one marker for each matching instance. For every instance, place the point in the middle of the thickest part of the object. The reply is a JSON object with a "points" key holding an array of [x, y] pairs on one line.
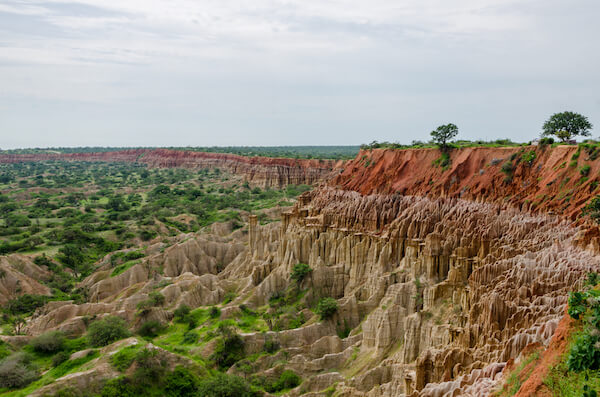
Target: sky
{"points": [[291, 72]]}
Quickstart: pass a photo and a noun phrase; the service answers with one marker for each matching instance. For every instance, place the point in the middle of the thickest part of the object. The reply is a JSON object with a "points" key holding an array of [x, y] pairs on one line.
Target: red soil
{"points": [[534, 385], [549, 184]]}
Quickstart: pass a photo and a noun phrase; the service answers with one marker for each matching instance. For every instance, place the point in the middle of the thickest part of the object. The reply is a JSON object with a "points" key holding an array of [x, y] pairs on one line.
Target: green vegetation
{"points": [[50, 342], [566, 125], [305, 152], [431, 144], [107, 330], [443, 134], [584, 170], [229, 349], [73, 218], [514, 380], [326, 308], [592, 208], [287, 380], [299, 272], [578, 372]]}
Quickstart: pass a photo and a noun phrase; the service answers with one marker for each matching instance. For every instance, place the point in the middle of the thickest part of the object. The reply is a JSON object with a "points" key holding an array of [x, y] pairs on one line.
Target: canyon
{"points": [[442, 275], [257, 171]]}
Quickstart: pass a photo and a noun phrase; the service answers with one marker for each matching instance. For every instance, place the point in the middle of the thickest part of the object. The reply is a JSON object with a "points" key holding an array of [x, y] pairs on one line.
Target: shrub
{"points": [[224, 385], [528, 157], [327, 308], [214, 312], [119, 387], [25, 304], [150, 329], [593, 279], [287, 380], [154, 299], [151, 366], [17, 371], [583, 354], [59, 358], [508, 169], [181, 383], [592, 208], [107, 330], [271, 346], [300, 271], [181, 312], [584, 170], [577, 305], [229, 296], [229, 349], [50, 342], [190, 337], [123, 359]]}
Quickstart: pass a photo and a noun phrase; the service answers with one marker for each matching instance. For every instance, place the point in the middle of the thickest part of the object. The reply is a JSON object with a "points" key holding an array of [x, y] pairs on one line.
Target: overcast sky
{"points": [[295, 72]]}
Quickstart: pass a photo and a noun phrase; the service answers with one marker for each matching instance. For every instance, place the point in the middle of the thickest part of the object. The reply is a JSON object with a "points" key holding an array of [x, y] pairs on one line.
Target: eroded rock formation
{"points": [[258, 171], [439, 288]]}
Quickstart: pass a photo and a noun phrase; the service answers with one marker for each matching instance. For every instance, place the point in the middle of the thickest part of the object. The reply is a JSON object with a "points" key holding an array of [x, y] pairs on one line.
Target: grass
{"points": [[53, 374], [123, 267], [563, 382], [514, 380]]}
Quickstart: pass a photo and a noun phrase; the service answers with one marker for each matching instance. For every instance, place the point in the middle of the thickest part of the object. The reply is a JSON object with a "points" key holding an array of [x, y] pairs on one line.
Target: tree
{"points": [[566, 125], [299, 272], [107, 330], [327, 308], [443, 134]]}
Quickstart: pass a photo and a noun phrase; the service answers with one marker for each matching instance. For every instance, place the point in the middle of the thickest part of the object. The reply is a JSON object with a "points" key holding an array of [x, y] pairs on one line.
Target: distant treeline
{"points": [[431, 144], [303, 152]]}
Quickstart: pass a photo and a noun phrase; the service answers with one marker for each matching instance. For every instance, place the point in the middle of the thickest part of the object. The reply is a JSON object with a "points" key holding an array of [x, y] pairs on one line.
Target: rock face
{"points": [[445, 290], [547, 180], [19, 276], [258, 171]]}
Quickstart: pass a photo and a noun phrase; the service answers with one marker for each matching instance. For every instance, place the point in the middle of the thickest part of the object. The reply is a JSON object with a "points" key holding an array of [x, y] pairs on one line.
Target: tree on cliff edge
{"points": [[443, 134], [566, 125]]}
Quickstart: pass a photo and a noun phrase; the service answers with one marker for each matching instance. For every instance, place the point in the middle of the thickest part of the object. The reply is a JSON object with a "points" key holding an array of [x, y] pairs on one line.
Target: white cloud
{"points": [[274, 63]]}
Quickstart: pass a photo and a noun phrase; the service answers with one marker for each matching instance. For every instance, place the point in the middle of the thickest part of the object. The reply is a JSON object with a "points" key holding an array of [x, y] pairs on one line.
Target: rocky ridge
{"points": [[264, 172]]}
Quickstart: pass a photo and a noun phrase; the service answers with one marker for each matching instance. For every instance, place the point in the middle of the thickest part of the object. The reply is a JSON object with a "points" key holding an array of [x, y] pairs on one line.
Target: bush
{"points": [[181, 312], [17, 371], [181, 383], [229, 349], [25, 304], [271, 346], [59, 358], [508, 169], [287, 380], [528, 157], [577, 305], [123, 359], [151, 366], [107, 330], [119, 387], [300, 271], [584, 170], [583, 354], [327, 308], [190, 337], [224, 385], [150, 329], [229, 296], [214, 312], [50, 342]]}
